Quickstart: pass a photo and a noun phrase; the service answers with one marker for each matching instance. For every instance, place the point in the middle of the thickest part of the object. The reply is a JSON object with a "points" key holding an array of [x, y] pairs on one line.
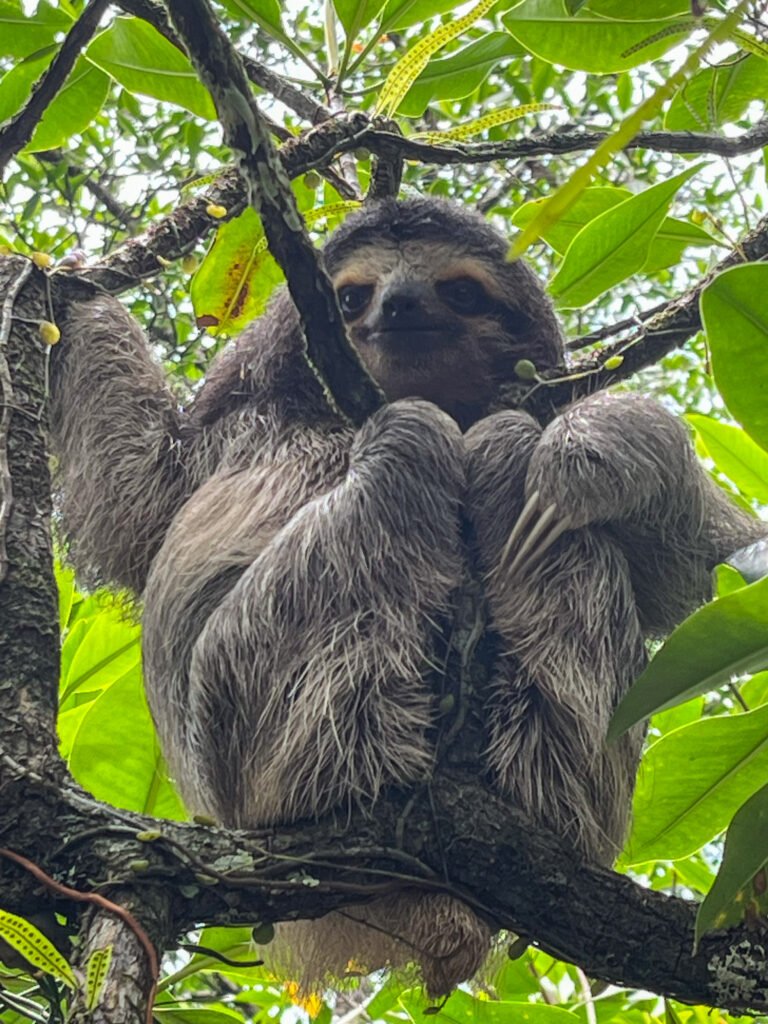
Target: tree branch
{"points": [[558, 142], [513, 875], [17, 132], [330, 353], [666, 330]]}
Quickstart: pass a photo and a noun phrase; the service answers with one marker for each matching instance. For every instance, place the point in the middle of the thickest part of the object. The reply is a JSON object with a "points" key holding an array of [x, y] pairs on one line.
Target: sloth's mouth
{"points": [[403, 338]]}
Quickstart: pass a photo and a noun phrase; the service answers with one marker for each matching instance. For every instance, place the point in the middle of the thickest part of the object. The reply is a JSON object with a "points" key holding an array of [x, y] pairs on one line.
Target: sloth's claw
{"points": [[532, 536]]}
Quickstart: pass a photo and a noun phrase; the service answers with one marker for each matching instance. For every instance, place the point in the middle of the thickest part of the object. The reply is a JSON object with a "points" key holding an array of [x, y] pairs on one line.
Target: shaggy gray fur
{"points": [[291, 571]]}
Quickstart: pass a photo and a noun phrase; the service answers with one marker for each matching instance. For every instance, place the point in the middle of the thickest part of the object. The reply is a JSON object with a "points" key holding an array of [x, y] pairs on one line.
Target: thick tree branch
{"points": [[511, 874], [17, 132], [246, 132]]}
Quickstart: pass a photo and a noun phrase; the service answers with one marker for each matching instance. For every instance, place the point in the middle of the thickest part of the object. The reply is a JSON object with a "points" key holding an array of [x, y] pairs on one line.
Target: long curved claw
{"points": [[532, 536]]}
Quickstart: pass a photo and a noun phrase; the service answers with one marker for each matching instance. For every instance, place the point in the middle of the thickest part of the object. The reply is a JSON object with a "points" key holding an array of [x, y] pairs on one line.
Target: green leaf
{"points": [[454, 77], [717, 96], [96, 971], [195, 1015], [102, 647], [590, 204], [21, 35], [735, 454], [615, 244], [589, 42], [139, 58], [76, 105], [735, 317], [746, 852], [65, 582], [408, 68], [235, 280], [691, 782], [119, 764], [404, 13], [656, 9], [754, 690], [666, 248], [354, 15], [723, 639], [462, 1008], [667, 721], [35, 947], [16, 84], [265, 13]]}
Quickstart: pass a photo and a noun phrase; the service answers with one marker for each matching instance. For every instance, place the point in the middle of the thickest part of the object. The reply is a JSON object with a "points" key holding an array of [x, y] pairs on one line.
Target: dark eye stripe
{"points": [[353, 299], [464, 295]]}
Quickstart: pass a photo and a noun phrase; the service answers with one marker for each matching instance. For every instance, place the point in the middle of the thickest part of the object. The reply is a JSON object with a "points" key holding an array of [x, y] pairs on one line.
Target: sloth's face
{"points": [[431, 323]]}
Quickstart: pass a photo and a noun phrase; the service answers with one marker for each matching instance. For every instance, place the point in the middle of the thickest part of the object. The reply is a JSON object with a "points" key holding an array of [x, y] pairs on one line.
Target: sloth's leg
{"points": [[305, 685], [625, 463], [572, 645], [499, 449]]}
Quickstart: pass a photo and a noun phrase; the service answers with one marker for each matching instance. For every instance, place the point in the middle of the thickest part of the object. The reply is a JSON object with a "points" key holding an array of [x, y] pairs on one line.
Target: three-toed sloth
{"points": [[292, 569]]}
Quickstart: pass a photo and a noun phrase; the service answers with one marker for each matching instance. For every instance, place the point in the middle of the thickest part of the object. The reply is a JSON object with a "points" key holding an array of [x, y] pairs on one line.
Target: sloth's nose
{"points": [[405, 306]]}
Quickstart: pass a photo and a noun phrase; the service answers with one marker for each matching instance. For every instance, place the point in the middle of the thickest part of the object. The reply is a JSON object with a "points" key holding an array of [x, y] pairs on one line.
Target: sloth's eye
{"points": [[464, 295], [353, 298]]}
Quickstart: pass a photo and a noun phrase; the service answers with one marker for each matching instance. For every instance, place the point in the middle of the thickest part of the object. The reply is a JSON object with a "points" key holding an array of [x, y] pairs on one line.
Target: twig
{"points": [[621, 325], [6, 407], [119, 211], [17, 132], [328, 350]]}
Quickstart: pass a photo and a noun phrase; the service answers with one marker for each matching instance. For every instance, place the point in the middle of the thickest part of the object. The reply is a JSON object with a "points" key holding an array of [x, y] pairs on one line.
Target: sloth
{"points": [[292, 569]]}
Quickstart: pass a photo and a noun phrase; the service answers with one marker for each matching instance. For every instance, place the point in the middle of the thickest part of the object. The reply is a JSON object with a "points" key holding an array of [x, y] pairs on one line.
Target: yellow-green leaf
{"points": [[481, 124], [36, 949], [409, 67], [95, 975]]}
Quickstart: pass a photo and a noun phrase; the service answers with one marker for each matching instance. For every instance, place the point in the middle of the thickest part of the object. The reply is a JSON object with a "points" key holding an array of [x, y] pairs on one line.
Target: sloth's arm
{"points": [[115, 429], [625, 463], [305, 683]]}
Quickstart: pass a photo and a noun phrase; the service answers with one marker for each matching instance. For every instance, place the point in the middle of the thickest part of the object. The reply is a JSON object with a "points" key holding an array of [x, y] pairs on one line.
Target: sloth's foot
{"points": [[533, 534]]}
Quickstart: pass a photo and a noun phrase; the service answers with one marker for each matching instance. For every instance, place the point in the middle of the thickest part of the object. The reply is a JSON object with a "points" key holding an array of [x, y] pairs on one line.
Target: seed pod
{"points": [[263, 934], [216, 211], [49, 332], [525, 369]]}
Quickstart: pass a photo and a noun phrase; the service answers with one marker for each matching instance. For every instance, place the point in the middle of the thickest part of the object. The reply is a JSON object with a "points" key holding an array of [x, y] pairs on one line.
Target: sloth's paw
{"points": [[537, 528]]}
